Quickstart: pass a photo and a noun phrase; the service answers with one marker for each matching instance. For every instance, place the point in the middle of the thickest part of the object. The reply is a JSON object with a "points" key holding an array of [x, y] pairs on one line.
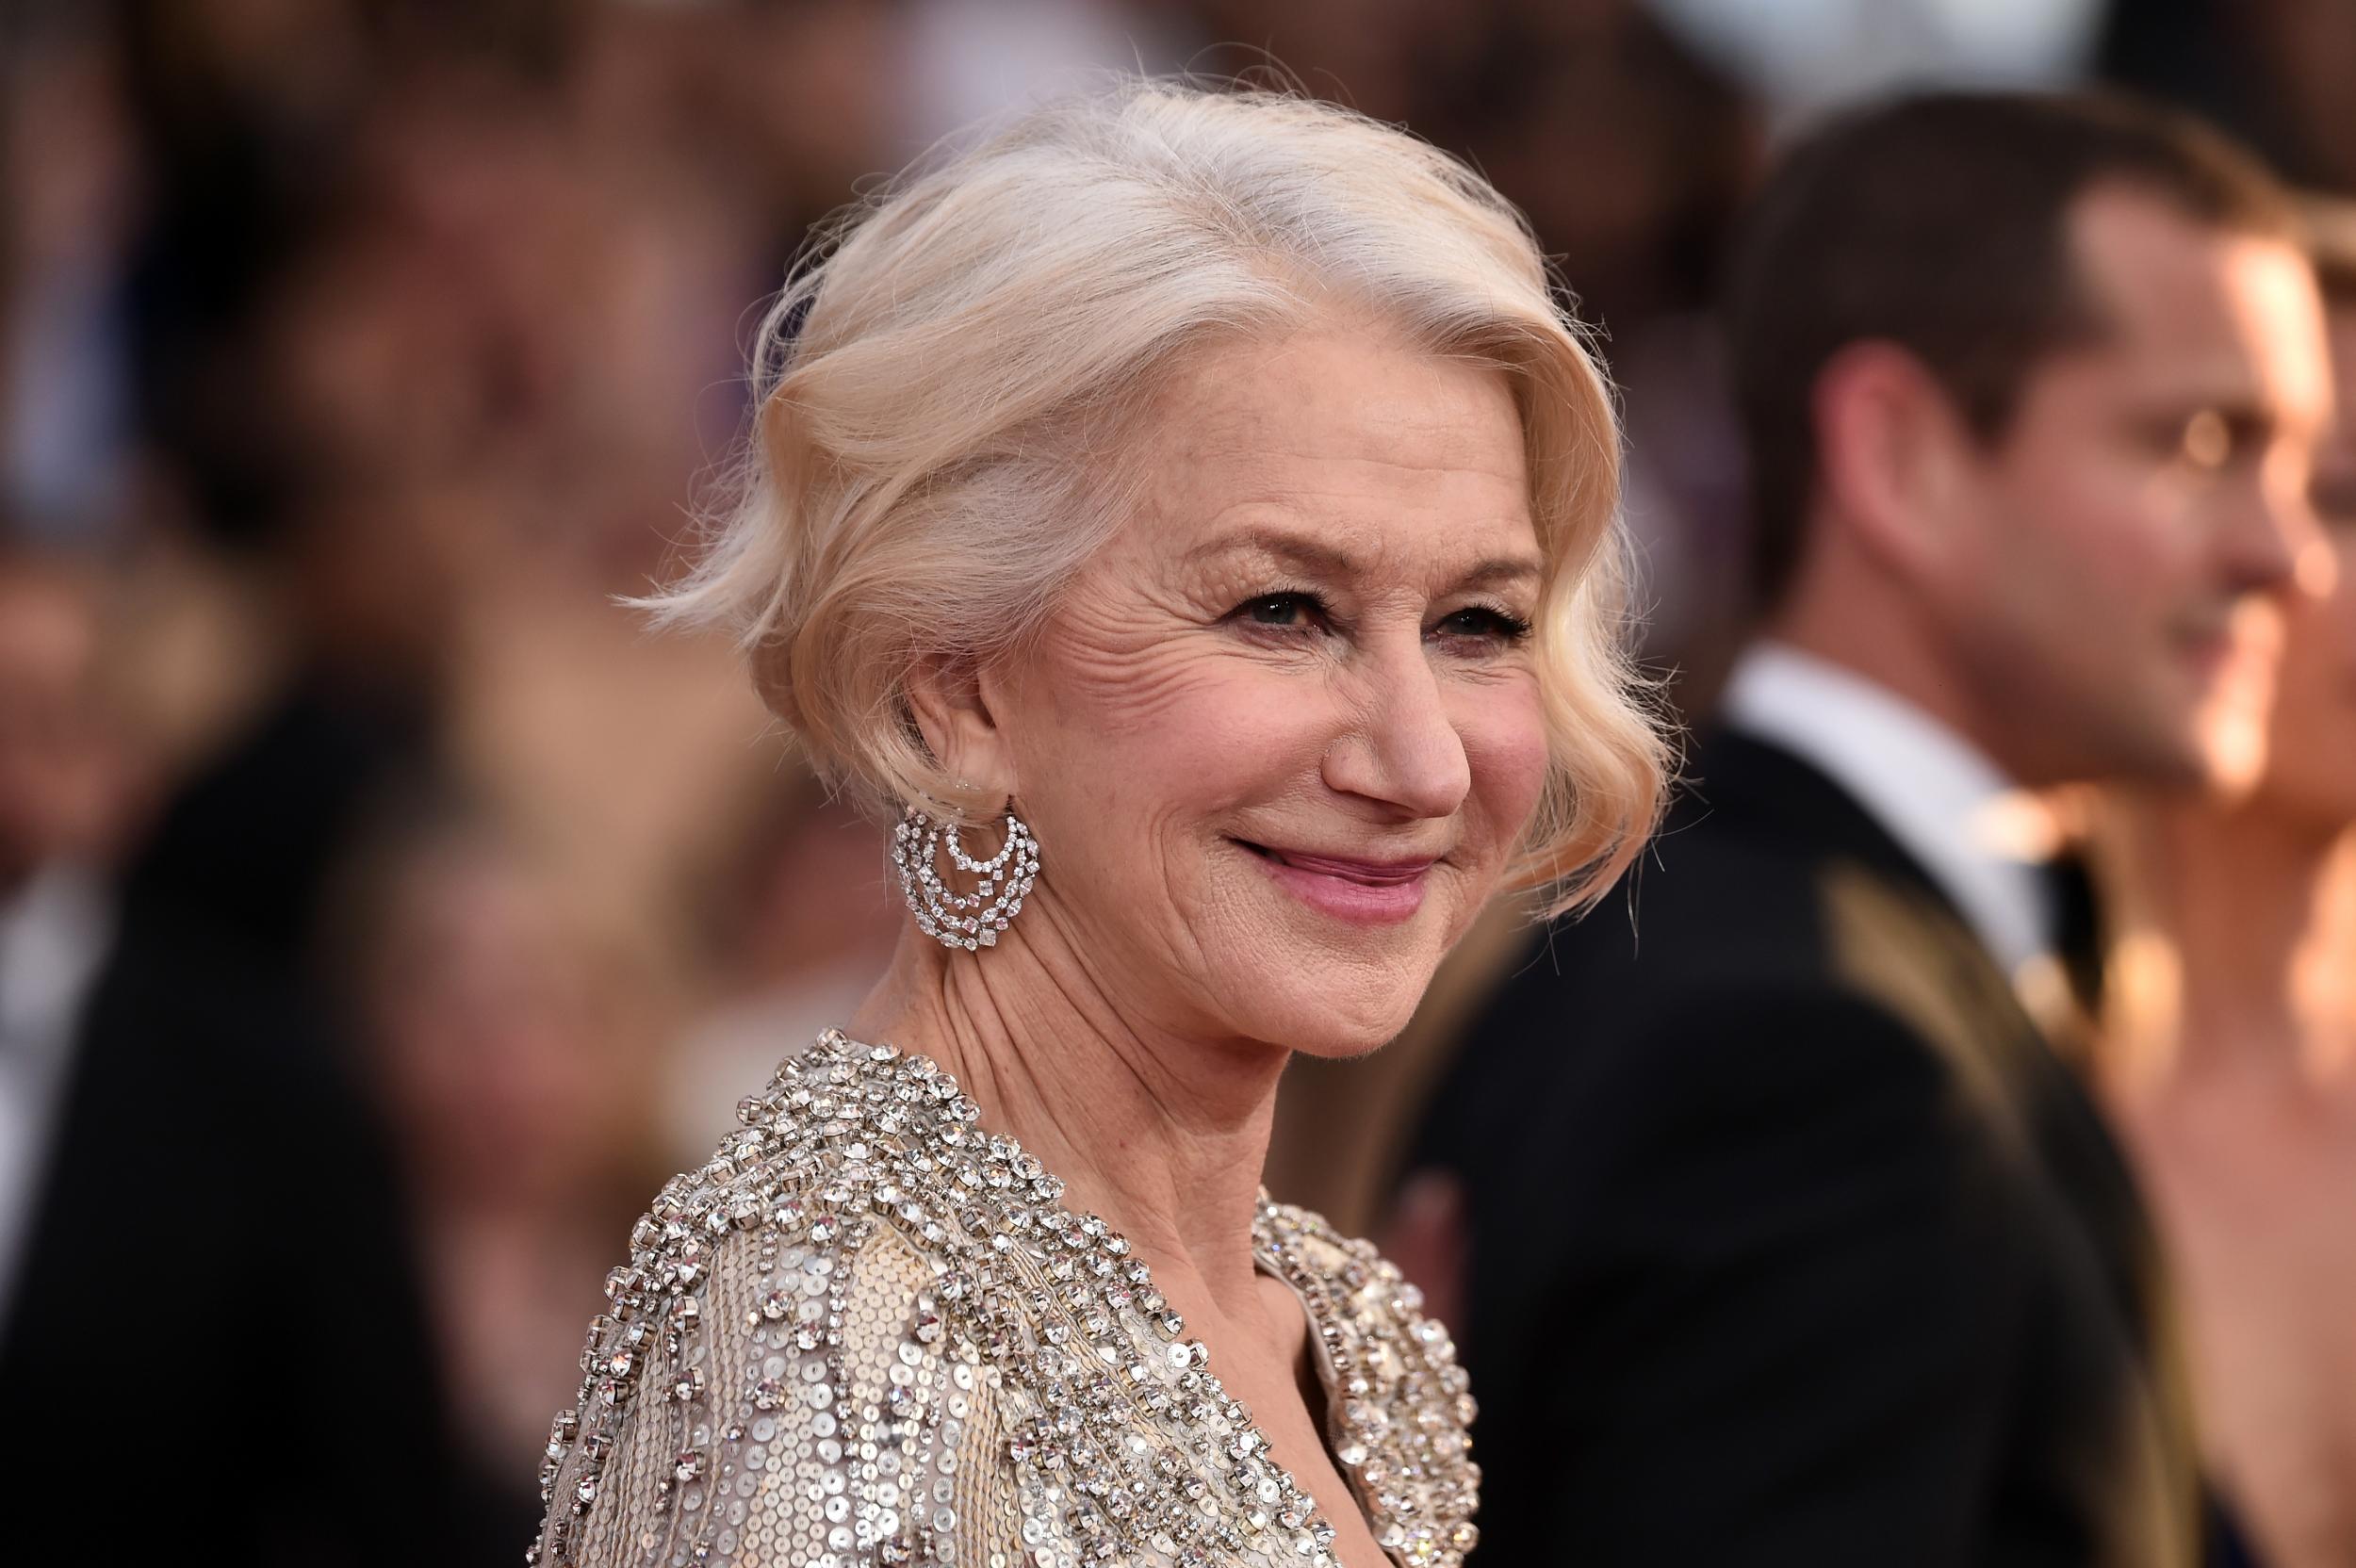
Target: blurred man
{"points": [[1793, 1240], [64, 801], [167, 1120]]}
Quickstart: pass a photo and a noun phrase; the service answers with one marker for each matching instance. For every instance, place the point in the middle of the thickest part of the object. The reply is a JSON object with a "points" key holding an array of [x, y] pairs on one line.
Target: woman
{"points": [[1193, 514], [2230, 1057], [505, 1033]]}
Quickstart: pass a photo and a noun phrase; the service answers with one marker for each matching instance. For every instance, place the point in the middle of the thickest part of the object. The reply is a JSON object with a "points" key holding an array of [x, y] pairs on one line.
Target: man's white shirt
{"points": [[54, 936], [1980, 837]]}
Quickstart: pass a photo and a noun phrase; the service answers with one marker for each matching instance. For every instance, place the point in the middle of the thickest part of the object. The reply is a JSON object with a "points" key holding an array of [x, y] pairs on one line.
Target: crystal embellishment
{"points": [[826, 1434]]}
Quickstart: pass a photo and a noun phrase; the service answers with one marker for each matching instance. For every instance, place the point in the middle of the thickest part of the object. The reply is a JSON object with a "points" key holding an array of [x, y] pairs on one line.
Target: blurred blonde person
{"points": [[793, 920], [509, 1035], [2230, 1057]]}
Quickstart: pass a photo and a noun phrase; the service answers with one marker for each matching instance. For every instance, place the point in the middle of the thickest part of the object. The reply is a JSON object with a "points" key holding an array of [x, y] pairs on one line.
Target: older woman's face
{"points": [[1284, 731]]}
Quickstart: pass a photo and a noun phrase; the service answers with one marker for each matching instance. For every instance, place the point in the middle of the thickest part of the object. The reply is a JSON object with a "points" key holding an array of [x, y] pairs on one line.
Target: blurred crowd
{"points": [[357, 355]]}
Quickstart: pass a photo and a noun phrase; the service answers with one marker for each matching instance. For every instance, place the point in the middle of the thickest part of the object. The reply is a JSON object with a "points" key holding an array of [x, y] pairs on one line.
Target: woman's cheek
{"points": [[1505, 747]]}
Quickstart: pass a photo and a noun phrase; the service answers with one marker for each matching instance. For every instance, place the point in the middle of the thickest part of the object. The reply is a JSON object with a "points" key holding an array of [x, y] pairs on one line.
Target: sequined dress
{"points": [[868, 1332]]}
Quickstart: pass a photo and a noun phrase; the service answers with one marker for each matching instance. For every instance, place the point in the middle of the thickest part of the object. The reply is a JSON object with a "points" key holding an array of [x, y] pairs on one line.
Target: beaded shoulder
{"points": [[1400, 1408], [867, 1332]]}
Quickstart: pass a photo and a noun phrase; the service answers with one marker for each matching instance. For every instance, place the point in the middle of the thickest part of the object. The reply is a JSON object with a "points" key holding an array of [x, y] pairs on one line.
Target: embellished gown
{"points": [[868, 1332]]}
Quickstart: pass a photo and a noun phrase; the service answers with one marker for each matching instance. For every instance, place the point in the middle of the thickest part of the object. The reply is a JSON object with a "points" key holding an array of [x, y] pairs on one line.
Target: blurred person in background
{"points": [[2229, 1049], [509, 1042], [1793, 1239], [332, 412], [199, 1237], [70, 189], [2274, 70], [67, 798], [778, 963], [395, 423], [356, 250]]}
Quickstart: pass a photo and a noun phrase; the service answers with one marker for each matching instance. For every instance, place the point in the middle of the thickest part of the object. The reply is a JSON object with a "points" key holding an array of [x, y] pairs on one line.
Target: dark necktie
{"points": [[2077, 926]]}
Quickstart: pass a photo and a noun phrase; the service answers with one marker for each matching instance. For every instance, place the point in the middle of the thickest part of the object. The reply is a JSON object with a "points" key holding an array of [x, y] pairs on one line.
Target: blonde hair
{"points": [[945, 383]]}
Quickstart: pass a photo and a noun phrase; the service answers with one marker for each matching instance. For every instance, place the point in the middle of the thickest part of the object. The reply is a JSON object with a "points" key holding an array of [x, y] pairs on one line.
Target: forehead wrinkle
{"points": [[1255, 452], [1498, 570], [1321, 505], [1251, 429], [1336, 477], [1281, 544], [1300, 547]]}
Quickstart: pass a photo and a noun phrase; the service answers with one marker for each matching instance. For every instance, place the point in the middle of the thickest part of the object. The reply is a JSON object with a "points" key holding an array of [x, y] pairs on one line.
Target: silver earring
{"points": [[966, 920]]}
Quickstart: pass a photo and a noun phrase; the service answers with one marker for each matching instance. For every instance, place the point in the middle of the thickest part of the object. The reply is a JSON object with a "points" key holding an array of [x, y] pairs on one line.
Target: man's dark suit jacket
{"points": [[1793, 1242], [215, 1350]]}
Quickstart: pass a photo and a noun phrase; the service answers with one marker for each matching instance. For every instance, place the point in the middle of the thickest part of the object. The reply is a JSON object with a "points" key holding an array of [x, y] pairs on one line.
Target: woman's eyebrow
{"points": [[1301, 550], [1501, 569]]}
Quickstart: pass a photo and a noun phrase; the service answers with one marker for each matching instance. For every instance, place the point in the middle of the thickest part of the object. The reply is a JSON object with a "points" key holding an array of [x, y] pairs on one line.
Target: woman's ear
{"points": [[952, 705]]}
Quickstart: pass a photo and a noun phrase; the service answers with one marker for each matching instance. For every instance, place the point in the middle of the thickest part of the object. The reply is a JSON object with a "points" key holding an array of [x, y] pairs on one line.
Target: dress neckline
{"points": [[1358, 1436], [1117, 1439]]}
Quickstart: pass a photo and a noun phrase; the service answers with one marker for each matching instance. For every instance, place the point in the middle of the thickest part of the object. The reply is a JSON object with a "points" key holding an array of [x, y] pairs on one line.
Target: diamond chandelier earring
{"points": [[963, 920]]}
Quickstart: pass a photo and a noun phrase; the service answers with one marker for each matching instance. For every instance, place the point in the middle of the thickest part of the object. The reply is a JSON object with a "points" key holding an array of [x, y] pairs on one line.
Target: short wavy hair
{"points": [[948, 388]]}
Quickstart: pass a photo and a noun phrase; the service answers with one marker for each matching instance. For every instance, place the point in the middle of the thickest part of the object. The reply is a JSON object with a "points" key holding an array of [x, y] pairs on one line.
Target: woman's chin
{"points": [[1329, 1048], [1337, 1030], [1333, 1005]]}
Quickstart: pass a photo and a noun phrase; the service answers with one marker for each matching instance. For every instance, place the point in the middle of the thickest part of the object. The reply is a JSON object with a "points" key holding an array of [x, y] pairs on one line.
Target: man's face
{"points": [[2129, 543], [62, 787]]}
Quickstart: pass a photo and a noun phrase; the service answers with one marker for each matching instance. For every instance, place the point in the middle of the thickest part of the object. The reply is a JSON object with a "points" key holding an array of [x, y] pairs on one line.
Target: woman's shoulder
{"points": [[1367, 1291], [781, 1307], [798, 1181], [1406, 1406]]}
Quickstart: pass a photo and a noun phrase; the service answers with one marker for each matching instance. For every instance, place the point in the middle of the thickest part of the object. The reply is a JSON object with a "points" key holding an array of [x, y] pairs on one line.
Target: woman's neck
{"points": [[1163, 1137], [2263, 914]]}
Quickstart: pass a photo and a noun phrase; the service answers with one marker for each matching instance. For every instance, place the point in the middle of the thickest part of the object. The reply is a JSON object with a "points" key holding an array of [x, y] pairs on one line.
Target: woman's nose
{"points": [[1402, 747]]}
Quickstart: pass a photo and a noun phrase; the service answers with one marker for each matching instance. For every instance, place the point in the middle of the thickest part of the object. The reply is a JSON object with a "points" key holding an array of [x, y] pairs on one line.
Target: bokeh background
{"points": [[356, 354]]}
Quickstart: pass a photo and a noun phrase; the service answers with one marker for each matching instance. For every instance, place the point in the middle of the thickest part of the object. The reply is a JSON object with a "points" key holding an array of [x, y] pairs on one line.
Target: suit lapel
{"points": [[1896, 935]]}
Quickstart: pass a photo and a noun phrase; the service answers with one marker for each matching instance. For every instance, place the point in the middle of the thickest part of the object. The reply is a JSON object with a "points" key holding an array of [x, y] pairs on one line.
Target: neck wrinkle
{"points": [[1162, 1136]]}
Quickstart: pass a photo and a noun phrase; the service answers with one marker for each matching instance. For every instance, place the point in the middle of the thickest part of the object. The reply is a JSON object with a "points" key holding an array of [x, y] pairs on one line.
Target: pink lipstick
{"points": [[1366, 893]]}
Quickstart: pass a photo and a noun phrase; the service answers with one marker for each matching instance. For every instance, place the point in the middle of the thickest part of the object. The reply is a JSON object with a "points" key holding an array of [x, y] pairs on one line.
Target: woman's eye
{"points": [[1479, 621], [1282, 610]]}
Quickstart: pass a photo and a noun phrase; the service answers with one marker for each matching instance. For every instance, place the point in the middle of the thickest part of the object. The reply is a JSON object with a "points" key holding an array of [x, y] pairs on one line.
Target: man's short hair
{"points": [[1939, 223]]}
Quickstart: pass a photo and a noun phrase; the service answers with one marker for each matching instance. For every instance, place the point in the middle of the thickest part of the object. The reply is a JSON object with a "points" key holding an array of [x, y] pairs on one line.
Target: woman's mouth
{"points": [[1362, 890]]}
